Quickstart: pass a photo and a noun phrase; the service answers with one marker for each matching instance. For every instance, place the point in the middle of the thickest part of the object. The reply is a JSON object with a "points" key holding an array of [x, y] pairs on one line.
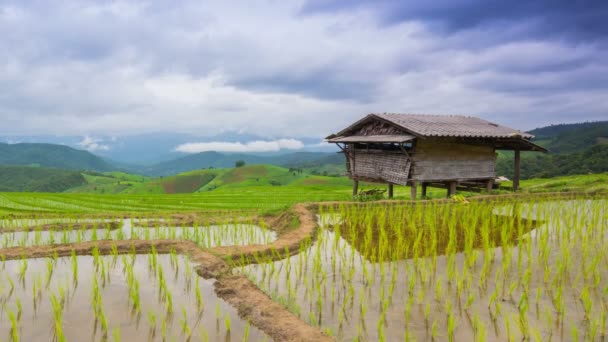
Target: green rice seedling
{"points": [[227, 322], [184, 323], [58, 315], [152, 322], [19, 308], [587, 302], [74, 268], [574, 333], [434, 331], [163, 328], [14, 326], [116, 334], [246, 332]]}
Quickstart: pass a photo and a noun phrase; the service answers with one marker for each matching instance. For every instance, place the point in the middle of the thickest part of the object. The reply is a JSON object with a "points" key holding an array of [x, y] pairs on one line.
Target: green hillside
{"points": [[108, 183], [205, 160], [206, 180], [51, 155], [38, 179], [568, 138], [187, 182], [574, 149]]}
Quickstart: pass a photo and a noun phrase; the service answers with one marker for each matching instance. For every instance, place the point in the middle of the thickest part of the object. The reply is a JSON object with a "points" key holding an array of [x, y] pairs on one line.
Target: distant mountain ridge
{"points": [[51, 155], [579, 148], [205, 160], [574, 149], [572, 137]]}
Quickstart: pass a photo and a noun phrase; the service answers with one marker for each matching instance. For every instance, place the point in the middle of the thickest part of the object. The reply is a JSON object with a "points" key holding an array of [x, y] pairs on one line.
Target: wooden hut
{"points": [[428, 150]]}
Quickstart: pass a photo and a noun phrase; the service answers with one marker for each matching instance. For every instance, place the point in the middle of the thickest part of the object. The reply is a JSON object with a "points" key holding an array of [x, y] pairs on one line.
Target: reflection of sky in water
{"points": [[180, 280]]}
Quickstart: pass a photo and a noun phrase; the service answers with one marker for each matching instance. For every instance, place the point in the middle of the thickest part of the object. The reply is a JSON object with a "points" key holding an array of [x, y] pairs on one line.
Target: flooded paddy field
{"points": [[101, 298], [450, 272], [507, 270], [62, 233]]}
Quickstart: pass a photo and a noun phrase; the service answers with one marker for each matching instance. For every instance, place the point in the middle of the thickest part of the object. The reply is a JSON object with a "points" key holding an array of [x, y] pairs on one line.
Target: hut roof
{"points": [[450, 126], [424, 125]]}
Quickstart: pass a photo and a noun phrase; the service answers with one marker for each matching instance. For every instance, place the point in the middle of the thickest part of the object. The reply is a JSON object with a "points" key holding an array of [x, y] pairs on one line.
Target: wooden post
{"points": [[390, 190], [355, 187], [516, 169], [424, 186], [489, 185], [413, 190], [451, 188]]}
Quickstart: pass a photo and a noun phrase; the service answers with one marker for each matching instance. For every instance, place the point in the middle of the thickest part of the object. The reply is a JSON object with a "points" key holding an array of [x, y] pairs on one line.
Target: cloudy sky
{"points": [[295, 68]]}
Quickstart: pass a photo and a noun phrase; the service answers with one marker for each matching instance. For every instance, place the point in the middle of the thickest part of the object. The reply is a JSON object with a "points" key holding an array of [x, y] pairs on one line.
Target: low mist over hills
{"points": [[574, 149]]}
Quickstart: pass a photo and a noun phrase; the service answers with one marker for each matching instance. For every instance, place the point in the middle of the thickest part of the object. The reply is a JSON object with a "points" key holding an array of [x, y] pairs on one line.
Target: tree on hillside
{"points": [[239, 163]]}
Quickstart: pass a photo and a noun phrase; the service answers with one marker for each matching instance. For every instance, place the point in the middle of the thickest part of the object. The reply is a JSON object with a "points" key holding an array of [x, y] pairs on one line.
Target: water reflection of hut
{"points": [[443, 151]]}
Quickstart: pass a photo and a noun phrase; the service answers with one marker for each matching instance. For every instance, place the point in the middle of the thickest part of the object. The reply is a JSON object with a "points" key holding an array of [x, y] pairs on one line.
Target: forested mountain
{"points": [[51, 155], [572, 137], [573, 149]]}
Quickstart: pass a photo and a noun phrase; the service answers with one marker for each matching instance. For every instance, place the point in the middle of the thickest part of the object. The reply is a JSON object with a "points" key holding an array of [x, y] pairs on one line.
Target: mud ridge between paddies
{"points": [[252, 304]]}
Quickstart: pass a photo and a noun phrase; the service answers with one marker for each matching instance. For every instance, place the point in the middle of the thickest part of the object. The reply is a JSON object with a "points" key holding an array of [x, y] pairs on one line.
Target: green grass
{"points": [[109, 183], [576, 183], [246, 188]]}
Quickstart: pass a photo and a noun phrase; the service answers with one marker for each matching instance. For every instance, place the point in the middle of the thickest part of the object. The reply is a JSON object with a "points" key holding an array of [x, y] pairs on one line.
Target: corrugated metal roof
{"points": [[372, 139], [450, 126]]}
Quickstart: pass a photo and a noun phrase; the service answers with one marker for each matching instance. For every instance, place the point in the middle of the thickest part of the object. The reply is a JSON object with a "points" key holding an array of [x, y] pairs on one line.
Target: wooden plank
{"points": [[355, 187], [413, 190], [390, 190], [437, 160]]}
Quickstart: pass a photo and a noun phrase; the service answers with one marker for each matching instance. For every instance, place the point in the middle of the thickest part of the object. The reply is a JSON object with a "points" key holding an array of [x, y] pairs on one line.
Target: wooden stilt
{"points": [[413, 190], [390, 190], [516, 167], [355, 187], [424, 186], [451, 188], [489, 185]]}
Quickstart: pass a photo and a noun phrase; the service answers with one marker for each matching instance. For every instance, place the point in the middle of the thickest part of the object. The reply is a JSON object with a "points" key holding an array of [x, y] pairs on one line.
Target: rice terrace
{"points": [[303, 171], [307, 260]]}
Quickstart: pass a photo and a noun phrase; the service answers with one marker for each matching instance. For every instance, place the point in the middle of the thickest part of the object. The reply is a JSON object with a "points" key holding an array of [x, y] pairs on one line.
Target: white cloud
{"points": [[93, 144], [105, 68], [252, 146]]}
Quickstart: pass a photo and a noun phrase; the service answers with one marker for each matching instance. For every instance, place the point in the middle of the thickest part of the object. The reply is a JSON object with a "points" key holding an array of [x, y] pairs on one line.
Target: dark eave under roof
{"points": [[372, 139]]}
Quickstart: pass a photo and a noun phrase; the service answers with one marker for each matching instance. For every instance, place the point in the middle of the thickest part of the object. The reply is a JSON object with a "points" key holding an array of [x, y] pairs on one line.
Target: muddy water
{"points": [[33, 290], [333, 285], [210, 236]]}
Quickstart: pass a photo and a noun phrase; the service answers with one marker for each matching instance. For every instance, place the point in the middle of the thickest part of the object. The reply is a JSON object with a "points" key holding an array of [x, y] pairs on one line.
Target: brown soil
{"points": [[287, 244], [251, 302], [264, 313], [194, 220]]}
